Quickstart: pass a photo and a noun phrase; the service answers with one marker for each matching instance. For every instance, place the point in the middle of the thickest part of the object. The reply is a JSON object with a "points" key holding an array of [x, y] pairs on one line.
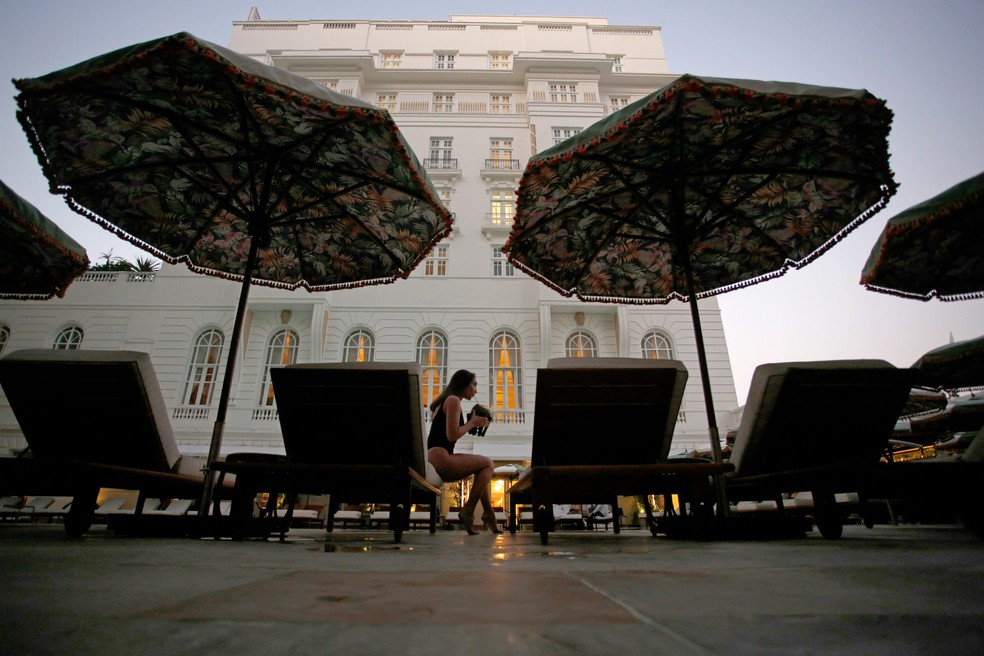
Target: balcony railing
{"points": [[194, 413], [265, 413], [502, 165], [444, 164]]}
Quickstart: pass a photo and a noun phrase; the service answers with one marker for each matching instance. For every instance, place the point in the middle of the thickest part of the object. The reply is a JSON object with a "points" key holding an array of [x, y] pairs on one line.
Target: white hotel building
{"points": [[475, 96]]}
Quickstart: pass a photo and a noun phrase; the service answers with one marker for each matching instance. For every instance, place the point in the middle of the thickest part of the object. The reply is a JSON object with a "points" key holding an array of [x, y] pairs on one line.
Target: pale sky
{"points": [[924, 58]]}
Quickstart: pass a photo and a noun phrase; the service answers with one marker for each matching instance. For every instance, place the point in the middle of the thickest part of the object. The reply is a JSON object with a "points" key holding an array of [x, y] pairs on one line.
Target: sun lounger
{"points": [[333, 449], [92, 419], [602, 429], [819, 427]]}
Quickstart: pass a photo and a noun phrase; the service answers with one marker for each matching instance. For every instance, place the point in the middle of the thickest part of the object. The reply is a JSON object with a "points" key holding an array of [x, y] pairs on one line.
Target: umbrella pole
{"points": [[712, 427], [220, 417]]}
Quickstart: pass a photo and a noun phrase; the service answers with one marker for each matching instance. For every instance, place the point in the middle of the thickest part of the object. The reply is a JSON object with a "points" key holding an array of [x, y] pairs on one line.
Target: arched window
{"points": [[4, 336], [432, 354], [281, 351], [359, 346], [203, 369], [656, 346], [69, 339], [505, 373], [581, 345]]}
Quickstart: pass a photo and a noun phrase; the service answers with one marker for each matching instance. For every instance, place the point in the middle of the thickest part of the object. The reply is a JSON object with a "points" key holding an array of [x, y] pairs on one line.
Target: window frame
{"points": [[504, 395], [436, 262], [285, 349], [203, 368], [587, 346], [430, 388], [69, 338], [367, 347], [656, 351], [501, 266]]}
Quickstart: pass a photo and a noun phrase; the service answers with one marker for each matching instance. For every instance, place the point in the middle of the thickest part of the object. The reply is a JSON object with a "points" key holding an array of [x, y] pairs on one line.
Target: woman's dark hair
{"points": [[457, 385]]}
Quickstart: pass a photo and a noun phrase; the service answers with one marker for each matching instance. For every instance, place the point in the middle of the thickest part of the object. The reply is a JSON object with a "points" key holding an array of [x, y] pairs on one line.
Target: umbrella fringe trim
{"points": [[170, 259], [887, 191]]}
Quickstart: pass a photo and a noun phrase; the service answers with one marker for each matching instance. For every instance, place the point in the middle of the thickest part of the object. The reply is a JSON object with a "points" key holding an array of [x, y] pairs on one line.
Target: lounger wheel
{"points": [[826, 516]]}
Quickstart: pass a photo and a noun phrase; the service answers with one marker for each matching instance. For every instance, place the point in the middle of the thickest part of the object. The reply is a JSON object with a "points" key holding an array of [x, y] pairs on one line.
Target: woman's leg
{"points": [[454, 467]]}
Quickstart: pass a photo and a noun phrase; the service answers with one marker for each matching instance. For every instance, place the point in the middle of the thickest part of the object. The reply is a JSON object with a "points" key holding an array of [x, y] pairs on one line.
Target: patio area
{"points": [[889, 590]]}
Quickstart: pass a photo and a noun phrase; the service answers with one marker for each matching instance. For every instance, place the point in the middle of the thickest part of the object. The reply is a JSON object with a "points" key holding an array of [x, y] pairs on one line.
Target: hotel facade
{"points": [[475, 96]]}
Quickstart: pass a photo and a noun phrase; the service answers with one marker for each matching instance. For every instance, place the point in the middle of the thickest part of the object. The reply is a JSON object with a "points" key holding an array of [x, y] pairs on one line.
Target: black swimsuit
{"points": [[438, 435]]}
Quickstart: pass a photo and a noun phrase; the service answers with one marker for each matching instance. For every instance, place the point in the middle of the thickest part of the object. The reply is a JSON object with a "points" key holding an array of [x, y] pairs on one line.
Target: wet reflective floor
{"points": [[888, 590]]}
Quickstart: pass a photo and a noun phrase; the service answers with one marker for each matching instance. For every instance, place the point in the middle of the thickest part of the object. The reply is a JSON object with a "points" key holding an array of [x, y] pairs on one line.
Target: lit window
{"points": [[281, 351], [503, 207], [203, 369], [432, 355], [359, 347], [499, 61], [436, 263], [655, 346], [390, 59], [501, 104], [444, 60], [563, 92], [444, 193], [617, 64], [444, 102], [505, 375], [386, 101], [69, 339], [500, 265], [561, 134], [330, 84], [4, 336], [500, 152], [581, 345]]}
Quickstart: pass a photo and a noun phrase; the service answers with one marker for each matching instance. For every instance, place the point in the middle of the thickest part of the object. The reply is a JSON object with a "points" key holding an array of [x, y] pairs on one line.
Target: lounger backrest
{"points": [[813, 414], [606, 411], [353, 413], [94, 406]]}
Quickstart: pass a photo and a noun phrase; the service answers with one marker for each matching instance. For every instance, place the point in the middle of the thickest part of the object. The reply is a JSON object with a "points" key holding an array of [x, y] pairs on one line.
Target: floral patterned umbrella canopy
{"points": [[704, 186], [205, 156], [37, 259], [935, 248]]}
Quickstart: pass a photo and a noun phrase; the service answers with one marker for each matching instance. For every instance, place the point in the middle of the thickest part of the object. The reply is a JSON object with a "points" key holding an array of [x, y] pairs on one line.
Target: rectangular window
{"points": [[617, 64], [436, 263], [560, 134], [444, 102], [330, 84], [503, 207], [500, 265], [616, 103], [501, 104], [440, 149], [501, 149], [444, 60], [563, 92], [445, 195], [390, 59], [499, 61], [387, 101]]}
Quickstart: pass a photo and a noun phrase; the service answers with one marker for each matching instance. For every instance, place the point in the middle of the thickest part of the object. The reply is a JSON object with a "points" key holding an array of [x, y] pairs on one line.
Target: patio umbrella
{"points": [[705, 186], [37, 259], [922, 401], [202, 155], [935, 248], [954, 366]]}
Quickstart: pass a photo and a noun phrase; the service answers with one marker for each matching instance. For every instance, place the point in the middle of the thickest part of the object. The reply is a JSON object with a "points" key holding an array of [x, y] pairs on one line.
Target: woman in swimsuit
{"points": [[447, 427]]}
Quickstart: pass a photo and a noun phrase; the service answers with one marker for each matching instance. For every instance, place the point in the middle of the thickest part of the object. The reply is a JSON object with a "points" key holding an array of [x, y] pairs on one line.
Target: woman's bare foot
{"points": [[467, 518], [490, 522]]}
